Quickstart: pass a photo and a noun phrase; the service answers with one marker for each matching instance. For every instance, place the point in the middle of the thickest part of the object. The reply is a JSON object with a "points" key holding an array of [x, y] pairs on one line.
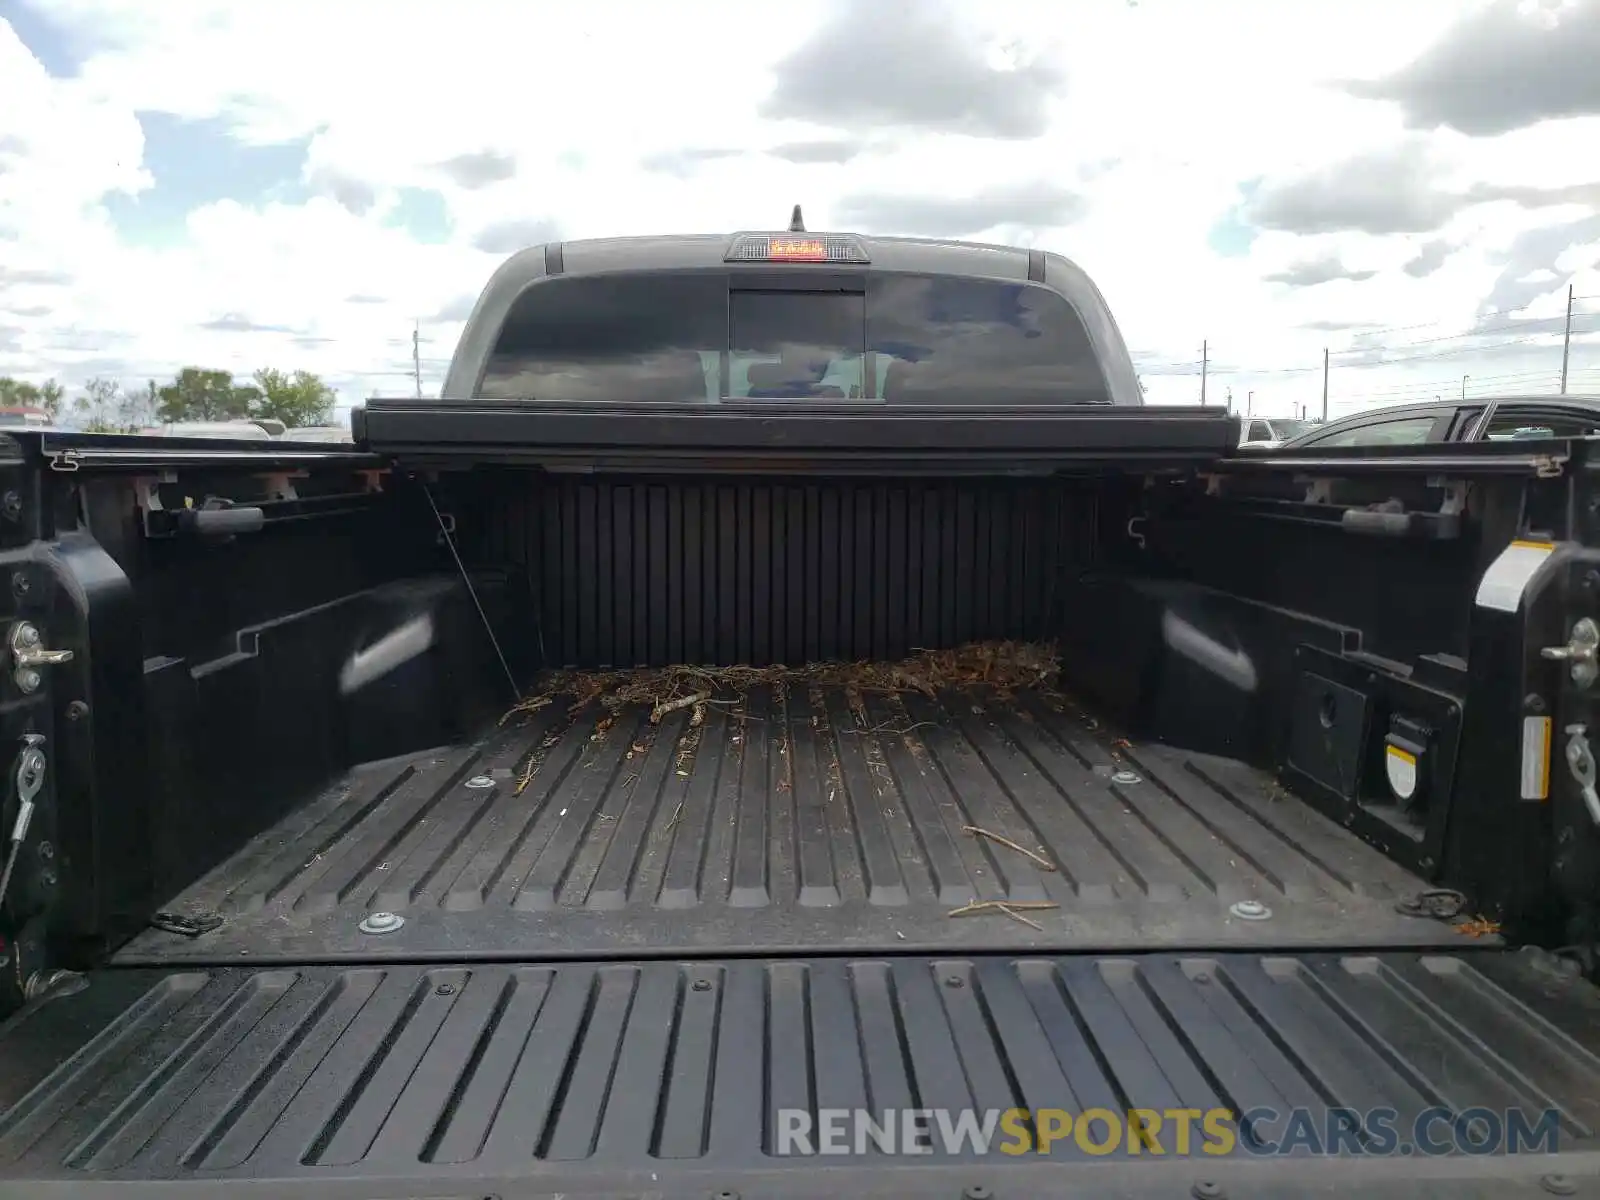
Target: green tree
{"points": [[100, 405], [18, 393], [298, 399], [51, 398], [198, 394], [138, 406], [15, 393]]}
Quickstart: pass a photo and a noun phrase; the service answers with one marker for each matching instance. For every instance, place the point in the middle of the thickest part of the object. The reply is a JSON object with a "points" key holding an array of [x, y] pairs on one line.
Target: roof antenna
{"points": [[797, 223]]}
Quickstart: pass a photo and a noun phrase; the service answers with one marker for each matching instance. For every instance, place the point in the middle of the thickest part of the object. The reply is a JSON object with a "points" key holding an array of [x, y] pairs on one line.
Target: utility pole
{"points": [[1324, 385], [1566, 343], [1249, 403], [1464, 379], [416, 355], [1205, 360]]}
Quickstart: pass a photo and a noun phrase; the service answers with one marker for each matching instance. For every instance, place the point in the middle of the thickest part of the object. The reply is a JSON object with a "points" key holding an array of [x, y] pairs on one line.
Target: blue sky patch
{"points": [[61, 50], [195, 163], [1232, 236], [422, 213]]}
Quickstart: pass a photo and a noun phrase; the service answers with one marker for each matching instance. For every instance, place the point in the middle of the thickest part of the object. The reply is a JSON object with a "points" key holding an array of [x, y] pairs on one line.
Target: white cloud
{"points": [[1162, 121]]}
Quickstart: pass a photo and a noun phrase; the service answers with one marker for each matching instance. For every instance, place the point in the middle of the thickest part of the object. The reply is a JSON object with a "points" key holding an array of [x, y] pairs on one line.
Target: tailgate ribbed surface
{"points": [[567, 1069], [808, 823]]}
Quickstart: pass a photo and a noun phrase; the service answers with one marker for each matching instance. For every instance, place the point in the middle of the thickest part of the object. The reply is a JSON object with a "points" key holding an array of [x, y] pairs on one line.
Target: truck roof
{"points": [[876, 254]]}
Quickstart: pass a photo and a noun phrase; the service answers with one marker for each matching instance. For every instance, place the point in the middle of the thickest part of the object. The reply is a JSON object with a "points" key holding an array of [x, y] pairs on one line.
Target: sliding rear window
{"points": [[687, 336]]}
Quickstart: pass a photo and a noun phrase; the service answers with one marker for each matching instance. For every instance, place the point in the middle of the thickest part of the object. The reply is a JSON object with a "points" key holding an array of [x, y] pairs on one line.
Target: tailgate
{"points": [[747, 1077]]}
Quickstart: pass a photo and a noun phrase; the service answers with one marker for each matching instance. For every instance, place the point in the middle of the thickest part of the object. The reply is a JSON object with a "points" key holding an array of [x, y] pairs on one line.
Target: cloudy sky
{"points": [[1412, 185]]}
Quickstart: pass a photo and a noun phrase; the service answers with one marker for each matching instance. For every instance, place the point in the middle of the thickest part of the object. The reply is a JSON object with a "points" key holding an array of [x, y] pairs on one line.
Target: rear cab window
{"points": [[705, 336]]}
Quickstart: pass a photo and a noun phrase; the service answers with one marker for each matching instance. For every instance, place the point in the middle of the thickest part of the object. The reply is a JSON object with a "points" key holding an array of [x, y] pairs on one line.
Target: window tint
{"points": [[948, 340], [788, 345], [1514, 426], [1404, 431], [612, 337], [912, 339]]}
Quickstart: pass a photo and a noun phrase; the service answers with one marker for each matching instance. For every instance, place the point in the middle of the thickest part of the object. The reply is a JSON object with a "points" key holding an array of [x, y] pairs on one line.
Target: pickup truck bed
{"points": [[795, 823], [628, 946]]}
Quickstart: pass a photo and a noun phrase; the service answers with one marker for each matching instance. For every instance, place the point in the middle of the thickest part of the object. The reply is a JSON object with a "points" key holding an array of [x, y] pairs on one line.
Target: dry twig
{"points": [[663, 707], [977, 831], [1009, 907], [1002, 665]]}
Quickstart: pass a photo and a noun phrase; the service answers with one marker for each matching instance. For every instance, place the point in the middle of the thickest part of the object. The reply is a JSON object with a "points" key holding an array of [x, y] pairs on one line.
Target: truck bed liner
{"points": [[802, 824], [666, 1077]]}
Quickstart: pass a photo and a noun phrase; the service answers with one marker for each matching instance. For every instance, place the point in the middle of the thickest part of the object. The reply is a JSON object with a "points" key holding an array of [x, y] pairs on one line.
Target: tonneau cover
{"points": [[775, 435]]}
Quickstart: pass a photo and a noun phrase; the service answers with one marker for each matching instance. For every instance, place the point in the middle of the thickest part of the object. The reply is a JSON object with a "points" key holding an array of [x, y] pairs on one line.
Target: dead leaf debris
{"points": [[1002, 665]]}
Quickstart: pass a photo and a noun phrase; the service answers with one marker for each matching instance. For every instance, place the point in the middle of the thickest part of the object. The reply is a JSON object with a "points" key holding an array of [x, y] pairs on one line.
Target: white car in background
{"points": [[259, 430], [1268, 433]]}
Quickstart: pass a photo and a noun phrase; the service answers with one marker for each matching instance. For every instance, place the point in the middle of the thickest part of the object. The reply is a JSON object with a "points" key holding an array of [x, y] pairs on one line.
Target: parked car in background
{"points": [[260, 429], [317, 433], [1270, 432], [27, 418], [253, 431], [1492, 418]]}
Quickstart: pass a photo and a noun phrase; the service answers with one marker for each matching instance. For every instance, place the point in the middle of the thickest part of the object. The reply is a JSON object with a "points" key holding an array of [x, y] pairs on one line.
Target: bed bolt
{"points": [[77, 710], [21, 585], [382, 922], [445, 989], [1558, 1185], [953, 981], [702, 985], [728, 1194], [976, 1192], [11, 504], [1250, 910], [480, 781], [1206, 1190], [1126, 777]]}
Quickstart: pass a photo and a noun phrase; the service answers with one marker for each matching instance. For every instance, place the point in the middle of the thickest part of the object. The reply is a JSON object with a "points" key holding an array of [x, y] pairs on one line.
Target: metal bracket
{"points": [[1582, 651], [28, 654], [1455, 499], [1319, 491], [281, 484]]}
